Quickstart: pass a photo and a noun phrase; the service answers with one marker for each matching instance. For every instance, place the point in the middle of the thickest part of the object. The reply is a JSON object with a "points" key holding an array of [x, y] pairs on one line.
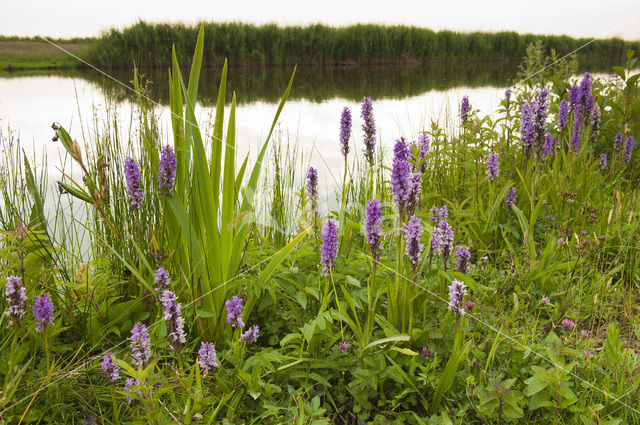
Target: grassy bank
{"points": [[31, 54], [149, 45]]}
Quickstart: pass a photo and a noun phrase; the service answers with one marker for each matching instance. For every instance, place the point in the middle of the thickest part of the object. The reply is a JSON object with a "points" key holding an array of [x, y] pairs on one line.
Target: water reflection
{"points": [[320, 83]]}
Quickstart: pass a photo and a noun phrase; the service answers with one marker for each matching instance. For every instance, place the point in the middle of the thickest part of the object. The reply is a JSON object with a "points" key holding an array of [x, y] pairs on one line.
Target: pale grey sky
{"points": [[585, 18]]}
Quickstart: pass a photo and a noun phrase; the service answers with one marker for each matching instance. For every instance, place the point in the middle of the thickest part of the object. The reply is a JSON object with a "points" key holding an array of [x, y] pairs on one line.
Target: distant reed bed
{"points": [[149, 45]]}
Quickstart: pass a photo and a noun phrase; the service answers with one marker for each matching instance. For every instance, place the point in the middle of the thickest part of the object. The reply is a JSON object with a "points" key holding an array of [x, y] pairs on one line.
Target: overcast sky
{"points": [[585, 18]]}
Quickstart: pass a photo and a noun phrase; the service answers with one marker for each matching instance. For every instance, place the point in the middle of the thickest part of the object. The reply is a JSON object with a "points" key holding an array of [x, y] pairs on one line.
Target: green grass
{"points": [[33, 54]]}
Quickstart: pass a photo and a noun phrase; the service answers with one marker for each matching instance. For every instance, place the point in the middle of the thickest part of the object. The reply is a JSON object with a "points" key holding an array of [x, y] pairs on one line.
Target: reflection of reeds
{"points": [[321, 83], [149, 45]]}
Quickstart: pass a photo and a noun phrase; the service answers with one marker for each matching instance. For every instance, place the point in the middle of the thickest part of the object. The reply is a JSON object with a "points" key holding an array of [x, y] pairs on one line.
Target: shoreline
{"points": [[61, 62]]}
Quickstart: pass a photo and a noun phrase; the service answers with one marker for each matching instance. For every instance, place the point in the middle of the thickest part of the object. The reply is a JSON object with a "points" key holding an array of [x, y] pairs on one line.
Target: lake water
{"points": [[405, 101]]}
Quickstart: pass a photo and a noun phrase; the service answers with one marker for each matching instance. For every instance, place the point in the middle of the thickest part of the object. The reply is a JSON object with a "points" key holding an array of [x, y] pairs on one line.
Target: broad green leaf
{"points": [[620, 71], [406, 351], [397, 338], [75, 192], [447, 377], [534, 386], [204, 312]]}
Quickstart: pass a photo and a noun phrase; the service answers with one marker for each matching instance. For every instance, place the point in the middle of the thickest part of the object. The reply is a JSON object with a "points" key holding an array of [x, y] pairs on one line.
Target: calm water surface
{"points": [[405, 99]]}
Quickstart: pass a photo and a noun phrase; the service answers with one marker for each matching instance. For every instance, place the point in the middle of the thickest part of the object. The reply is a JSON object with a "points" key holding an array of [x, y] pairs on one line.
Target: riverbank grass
{"points": [[19, 55]]}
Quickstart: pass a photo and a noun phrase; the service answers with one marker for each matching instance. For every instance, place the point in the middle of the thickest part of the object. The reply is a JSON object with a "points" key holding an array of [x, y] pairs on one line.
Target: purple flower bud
{"points": [[596, 119], [549, 146], [446, 245], [373, 227], [617, 143], [510, 197], [111, 367], [208, 359], [563, 115], [234, 312], [412, 232], [401, 169], [493, 167], [602, 164], [464, 255], [426, 353], [251, 335], [140, 345], [329, 246], [404, 184], [442, 237], [312, 189], [369, 128], [412, 194], [134, 183], [16, 297], [345, 130], [464, 109], [533, 122], [90, 421], [438, 214], [173, 317], [161, 279], [544, 301], [167, 171], [423, 151], [542, 110], [574, 97], [575, 136], [507, 97], [436, 241], [469, 305], [628, 149], [457, 291], [344, 346], [586, 97], [581, 101], [568, 324], [527, 127], [43, 312], [128, 386]]}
